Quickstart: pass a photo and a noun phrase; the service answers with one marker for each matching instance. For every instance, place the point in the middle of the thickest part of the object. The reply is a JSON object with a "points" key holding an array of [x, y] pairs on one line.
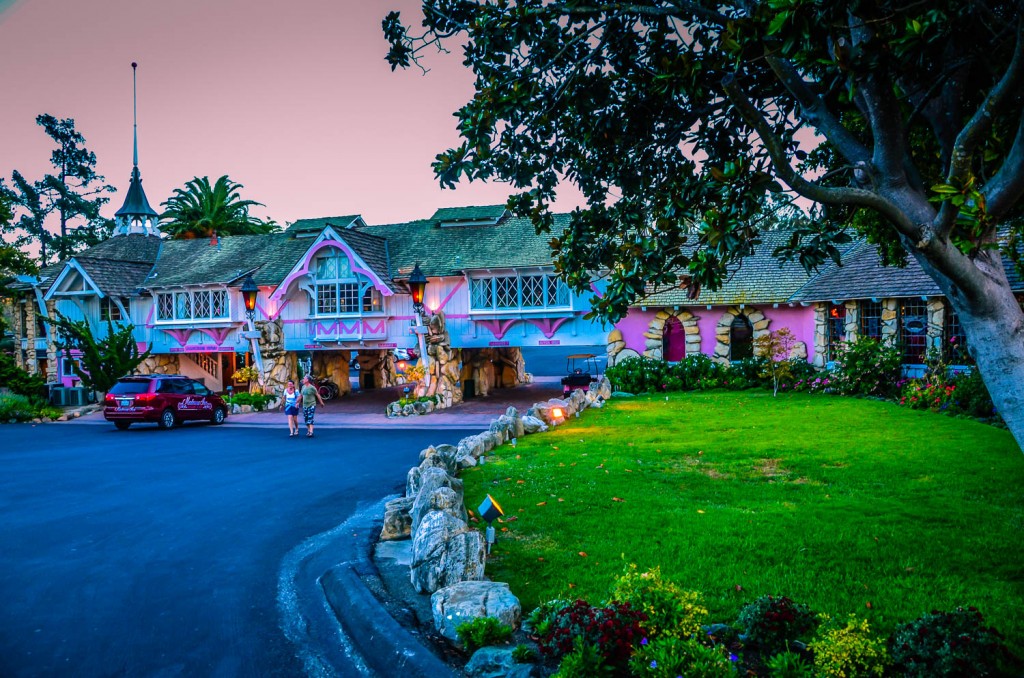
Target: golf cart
{"points": [[581, 370]]}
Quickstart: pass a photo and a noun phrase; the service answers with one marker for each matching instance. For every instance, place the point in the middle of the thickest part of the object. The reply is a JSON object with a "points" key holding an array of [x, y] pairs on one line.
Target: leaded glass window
{"points": [[480, 293], [326, 299], [192, 305], [870, 314], [506, 292], [835, 326], [348, 297], [913, 330], [338, 290], [954, 340]]}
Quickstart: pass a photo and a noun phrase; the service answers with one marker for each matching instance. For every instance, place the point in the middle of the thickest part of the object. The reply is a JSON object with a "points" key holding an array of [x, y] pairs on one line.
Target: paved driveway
{"points": [[190, 552]]}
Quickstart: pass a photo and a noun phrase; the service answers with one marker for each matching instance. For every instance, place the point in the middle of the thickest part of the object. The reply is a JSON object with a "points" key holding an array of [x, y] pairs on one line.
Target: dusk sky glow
{"points": [[293, 100]]}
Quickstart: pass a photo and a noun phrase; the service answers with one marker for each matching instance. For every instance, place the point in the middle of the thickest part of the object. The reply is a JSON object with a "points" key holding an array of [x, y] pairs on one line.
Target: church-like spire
{"points": [[135, 215]]}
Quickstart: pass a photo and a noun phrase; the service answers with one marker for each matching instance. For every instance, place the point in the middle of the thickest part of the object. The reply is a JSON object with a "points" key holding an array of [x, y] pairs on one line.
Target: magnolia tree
{"points": [[898, 121]]}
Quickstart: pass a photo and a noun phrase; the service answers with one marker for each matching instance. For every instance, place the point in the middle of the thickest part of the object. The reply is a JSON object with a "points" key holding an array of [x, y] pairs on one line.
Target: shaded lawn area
{"points": [[848, 505]]}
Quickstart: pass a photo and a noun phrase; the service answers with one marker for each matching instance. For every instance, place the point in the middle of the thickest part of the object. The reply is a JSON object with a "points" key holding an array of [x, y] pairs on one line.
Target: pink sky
{"points": [[292, 99]]}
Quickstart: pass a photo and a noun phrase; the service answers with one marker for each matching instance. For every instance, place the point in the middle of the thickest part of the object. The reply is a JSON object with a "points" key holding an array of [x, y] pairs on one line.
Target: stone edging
{"points": [[448, 555]]}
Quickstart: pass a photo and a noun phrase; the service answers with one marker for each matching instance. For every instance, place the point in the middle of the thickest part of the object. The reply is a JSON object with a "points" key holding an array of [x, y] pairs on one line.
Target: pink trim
{"points": [[338, 327], [458, 286], [308, 259], [597, 292], [457, 316], [382, 326], [497, 327], [548, 325], [218, 334], [298, 321], [180, 336], [141, 346], [149, 318]]}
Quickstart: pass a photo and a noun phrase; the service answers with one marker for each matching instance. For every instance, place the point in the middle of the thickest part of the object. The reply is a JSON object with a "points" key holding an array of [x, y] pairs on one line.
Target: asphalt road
{"points": [[191, 552]]}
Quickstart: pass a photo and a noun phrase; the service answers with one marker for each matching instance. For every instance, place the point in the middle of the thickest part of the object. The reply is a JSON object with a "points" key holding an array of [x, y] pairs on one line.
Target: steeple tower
{"points": [[135, 215]]}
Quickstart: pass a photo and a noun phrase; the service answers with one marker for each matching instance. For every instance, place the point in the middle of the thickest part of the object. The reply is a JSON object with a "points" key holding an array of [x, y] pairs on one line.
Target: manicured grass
{"points": [[847, 505]]}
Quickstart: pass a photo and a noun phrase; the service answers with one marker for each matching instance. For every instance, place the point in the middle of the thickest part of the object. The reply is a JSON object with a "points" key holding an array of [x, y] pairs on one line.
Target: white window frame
{"points": [[347, 289], [179, 306], [495, 288]]}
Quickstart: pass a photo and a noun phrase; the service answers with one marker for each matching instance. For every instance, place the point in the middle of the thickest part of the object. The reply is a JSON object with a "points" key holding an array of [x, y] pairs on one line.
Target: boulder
{"points": [[544, 411], [490, 662], [427, 452], [604, 388], [433, 479], [397, 521], [445, 550], [449, 454], [471, 446], [468, 600], [533, 424]]}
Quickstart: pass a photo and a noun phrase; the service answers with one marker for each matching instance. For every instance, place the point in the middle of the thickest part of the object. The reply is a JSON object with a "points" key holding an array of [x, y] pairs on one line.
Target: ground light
{"points": [[489, 510]]}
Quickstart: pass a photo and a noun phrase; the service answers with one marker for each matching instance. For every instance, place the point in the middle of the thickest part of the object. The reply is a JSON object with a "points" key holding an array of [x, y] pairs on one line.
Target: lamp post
{"points": [[417, 286], [249, 292]]}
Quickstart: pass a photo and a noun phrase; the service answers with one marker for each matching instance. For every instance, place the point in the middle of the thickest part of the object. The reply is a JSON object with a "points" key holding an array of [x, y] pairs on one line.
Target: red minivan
{"points": [[164, 399]]}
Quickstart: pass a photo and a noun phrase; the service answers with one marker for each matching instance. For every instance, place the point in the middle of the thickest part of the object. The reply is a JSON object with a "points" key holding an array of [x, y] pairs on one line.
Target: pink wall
{"points": [[799, 319]]}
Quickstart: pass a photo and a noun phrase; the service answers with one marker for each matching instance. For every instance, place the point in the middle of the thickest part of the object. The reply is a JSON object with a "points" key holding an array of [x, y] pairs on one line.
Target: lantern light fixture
{"points": [[249, 292], [417, 286]]}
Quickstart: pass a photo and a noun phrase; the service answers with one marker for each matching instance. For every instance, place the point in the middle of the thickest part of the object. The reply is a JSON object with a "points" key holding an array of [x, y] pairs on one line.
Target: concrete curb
{"points": [[382, 643]]}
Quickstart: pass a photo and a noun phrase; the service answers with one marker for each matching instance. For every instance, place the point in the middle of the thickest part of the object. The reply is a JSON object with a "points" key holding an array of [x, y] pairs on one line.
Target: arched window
{"points": [[835, 326], [741, 338], [673, 340]]}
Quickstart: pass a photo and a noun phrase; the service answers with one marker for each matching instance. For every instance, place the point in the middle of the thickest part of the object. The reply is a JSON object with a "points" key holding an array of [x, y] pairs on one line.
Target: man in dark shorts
{"points": [[310, 397]]}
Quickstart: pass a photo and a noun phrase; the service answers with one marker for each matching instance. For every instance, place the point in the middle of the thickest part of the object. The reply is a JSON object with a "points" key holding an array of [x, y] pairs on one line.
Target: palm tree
{"points": [[200, 210]]}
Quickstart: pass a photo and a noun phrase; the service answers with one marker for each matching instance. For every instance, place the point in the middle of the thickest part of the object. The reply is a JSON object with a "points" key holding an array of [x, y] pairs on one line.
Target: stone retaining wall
{"points": [[448, 554]]}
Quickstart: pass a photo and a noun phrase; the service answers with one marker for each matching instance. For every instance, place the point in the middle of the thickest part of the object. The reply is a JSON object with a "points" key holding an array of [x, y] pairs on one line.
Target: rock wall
{"points": [[449, 555], [161, 363]]}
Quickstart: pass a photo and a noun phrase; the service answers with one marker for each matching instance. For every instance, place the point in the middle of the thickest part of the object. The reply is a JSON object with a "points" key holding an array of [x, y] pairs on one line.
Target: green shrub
{"points": [[772, 622], [16, 407], [482, 632], [638, 375], [867, 367], [51, 413], [523, 654], [972, 395], [615, 630], [671, 657], [849, 651], [258, 401], [584, 661], [947, 645], [789, 665], [18, 380], [670, 610], [538, 622]]}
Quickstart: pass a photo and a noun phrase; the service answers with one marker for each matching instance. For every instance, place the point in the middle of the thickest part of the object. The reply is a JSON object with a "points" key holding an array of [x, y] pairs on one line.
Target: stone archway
{"points": [[723, 334], [655, 334]]}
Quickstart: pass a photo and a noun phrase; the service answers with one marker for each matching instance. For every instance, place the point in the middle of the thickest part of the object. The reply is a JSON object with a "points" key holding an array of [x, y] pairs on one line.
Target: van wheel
{"points": [[122, 425], [167, 420], [218, 416]]}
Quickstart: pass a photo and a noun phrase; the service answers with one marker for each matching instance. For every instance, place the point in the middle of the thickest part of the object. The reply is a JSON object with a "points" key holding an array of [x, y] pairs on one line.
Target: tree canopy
{"points": [[900, 121], [75, 195], [200, 210]]}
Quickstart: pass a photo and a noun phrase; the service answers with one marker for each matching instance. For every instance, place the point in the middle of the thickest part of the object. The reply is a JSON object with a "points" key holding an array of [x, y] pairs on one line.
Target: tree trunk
{"points": [[996, 342]]}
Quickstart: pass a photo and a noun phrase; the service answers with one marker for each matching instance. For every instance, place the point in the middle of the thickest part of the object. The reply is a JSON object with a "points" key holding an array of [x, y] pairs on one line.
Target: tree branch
{"points": [[1004, 191], [817, 113], [980, 123], [830, 196], [883, 114]]}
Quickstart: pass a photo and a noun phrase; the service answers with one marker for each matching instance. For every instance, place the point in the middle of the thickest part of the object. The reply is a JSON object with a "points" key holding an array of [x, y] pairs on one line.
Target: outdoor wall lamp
{"points": [[490, 511], [249, 292], [417, 286]]}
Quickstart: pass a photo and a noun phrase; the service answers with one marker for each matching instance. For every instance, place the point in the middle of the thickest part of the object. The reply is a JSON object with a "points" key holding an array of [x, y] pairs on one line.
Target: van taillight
{"points": [[144, 397]]}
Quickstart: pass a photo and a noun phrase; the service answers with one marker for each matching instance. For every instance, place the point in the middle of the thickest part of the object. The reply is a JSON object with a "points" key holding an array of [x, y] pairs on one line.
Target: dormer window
{"points": [[340, 291]]}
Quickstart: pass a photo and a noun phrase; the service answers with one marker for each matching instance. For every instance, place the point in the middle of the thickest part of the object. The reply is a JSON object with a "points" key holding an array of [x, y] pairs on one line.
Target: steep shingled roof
{"points": [[318, 224], [115, 278], [450, 249], [759, 279], [862, 276], [196, 262], [450, 215]]}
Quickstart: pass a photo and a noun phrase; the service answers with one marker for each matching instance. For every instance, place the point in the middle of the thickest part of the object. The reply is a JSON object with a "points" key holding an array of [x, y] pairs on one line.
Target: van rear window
{"points": [[130, 387]]}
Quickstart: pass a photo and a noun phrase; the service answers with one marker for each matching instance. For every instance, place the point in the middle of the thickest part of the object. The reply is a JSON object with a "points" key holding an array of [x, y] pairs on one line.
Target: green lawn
{"points": [[848, 505]]}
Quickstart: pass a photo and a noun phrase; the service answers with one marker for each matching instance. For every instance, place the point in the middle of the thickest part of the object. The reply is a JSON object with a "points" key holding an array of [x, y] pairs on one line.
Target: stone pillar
{"points": [[890, 320], [444, 363], [278, 365], [17, 328], [31, 359], [654, 337], [852, 327], [615, 344], [51, 346], [820, 333], [165, 363], [692, 330], [936, 323]]}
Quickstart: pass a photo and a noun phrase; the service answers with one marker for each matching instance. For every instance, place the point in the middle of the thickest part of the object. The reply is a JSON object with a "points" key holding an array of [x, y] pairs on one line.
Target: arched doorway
{"points": [[673, 340], [741, 338]]}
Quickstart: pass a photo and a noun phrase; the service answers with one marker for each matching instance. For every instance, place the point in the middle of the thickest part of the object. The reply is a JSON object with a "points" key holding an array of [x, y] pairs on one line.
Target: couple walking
{"points": [[307, 398]]}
